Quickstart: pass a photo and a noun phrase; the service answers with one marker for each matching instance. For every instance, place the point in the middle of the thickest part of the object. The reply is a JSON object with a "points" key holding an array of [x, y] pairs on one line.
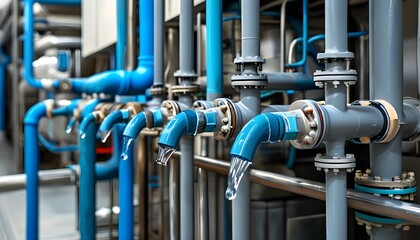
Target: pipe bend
{"points": [[37, 111], [136, 124], [184, 123], [266, 127], [118, 116]]}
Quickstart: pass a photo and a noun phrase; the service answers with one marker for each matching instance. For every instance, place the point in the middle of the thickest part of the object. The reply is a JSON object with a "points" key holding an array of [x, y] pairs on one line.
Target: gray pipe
{"points": [[63, 176], [250, 27], [289, 81], [186, 41], [159, 33], [386, 77], [335, 26], [187, 188]]}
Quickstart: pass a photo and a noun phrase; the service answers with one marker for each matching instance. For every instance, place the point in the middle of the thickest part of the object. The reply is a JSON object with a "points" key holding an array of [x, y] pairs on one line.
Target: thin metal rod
{"points": [[383, 206], [63, 176]]}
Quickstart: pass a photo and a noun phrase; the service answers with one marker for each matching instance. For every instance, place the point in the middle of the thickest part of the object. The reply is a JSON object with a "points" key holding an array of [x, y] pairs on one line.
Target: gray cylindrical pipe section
{"points": [[335, 26], [385, 233], [159, 33], [336, 204], [250, 27], [386, 78], [336, 96], [186, 41], [187, 188]]}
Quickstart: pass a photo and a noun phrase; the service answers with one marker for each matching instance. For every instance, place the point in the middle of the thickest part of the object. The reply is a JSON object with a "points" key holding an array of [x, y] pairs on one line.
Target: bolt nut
{"points": [[405, 227], [308, 110], [313, 125], [225, 129], [368, 171], [308, 139], [225, 120], [223, 108], [312, 134], [377, 178]]}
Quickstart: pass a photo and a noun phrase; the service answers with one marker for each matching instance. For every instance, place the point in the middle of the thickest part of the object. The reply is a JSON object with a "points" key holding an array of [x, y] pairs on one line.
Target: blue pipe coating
{"points": [[118, 116], [184, 123], [56, 149], [265, 127], [67, 110], [302, 61], [31, 155], [87, 196], [135, 125], [214, 48], [4, 61], [121, 45], [109, 169]]}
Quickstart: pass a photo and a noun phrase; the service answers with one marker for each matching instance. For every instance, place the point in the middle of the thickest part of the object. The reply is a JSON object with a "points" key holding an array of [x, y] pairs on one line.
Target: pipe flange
{"points": [[312, 124], [229, 120], [331, 57], [202, 105], [406, 180], [185, 89], [157, 90], [336, 163], [258, 81], [135, 107], [170, 108], [347, 77], [370, 221], [185, 74]]}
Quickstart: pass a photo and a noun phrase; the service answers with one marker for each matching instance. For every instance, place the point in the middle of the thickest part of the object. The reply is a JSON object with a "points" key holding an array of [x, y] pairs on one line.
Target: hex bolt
{"points": [[312, 134], [308, 110], [313, 124], [169, 106], [368, 171], [225, 129], [223, 108], [308, 139], [405, 227], [377, 178]]}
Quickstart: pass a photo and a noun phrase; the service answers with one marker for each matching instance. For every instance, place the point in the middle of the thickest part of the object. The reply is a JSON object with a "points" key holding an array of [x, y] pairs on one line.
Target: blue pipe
{"points": [[214, 49], [118, 116], [4, 61], [56, 149], [302, 61], [31, 155], [135, 125], [265, 127], [110, 82], [109, 169], [66, 110], [121, 45], [87, 196], [184, 123]]}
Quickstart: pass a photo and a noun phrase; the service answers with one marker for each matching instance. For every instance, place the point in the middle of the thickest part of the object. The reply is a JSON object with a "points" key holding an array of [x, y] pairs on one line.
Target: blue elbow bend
{"points": [[90, 118], [109, 169], [266, 127], [37, 111], [184, 123], [136, 124], [118, 116]]}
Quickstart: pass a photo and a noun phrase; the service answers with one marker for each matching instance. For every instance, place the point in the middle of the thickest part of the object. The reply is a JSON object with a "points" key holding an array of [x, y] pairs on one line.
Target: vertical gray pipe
{"points": [[159, 33], [335, 26], [174, 211], [186, 41], [187, 188], [386, 78], [336, 179], [186, 73], [250, 27]]}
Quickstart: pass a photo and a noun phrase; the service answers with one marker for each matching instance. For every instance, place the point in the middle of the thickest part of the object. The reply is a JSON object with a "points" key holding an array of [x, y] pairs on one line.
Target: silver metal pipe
{"points": [[336, 26], [174, 210], [383, 206], [15, 182], [250, 27]]}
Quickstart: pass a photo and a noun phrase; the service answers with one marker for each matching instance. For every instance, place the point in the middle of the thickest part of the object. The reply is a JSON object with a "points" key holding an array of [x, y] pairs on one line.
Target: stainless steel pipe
{"points": [[383, 206], [15, 182]]}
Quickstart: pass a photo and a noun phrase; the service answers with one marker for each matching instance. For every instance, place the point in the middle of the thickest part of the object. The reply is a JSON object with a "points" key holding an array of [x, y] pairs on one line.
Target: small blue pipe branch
{"points": [[265, 127]]}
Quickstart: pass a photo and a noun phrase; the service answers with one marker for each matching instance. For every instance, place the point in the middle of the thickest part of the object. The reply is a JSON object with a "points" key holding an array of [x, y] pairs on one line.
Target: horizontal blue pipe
{"points": [[59, 2], [67, 110], [54, 148], [110, 82], [31, 158]]}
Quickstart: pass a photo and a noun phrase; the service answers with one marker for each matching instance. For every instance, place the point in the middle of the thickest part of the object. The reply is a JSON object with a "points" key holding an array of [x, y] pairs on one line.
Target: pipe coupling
{"points": [[391, 122], [229, 119]]}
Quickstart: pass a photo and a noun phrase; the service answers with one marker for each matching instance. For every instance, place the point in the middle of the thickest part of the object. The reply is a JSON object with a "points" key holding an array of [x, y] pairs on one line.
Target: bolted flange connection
{"points": [[229, 120], [335, 164], [337, 71], [157, 90], [399, 187], [249, 77]]}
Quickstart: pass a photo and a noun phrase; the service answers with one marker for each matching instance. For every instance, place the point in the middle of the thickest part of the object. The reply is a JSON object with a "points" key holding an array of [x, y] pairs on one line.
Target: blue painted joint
{"points": [[211, 121], [192, 122], [157, 117], [291, 126]]}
